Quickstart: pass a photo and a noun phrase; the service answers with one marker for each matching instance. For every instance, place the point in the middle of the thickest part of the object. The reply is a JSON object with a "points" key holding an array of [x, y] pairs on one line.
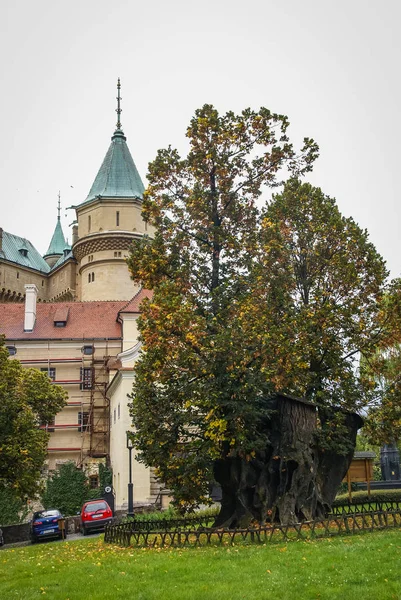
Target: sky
{"points": [[331, 67]]}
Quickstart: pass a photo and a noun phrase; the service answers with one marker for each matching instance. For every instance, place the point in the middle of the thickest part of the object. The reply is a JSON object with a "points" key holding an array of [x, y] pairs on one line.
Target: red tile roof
{"points": [[133, 305], [86, 320]]}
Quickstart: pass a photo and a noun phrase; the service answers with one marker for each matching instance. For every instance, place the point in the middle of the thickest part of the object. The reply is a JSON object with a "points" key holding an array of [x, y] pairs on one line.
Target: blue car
{"points": [[45, 524]]}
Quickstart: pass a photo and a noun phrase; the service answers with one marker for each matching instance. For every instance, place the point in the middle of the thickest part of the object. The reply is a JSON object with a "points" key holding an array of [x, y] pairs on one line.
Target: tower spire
{"points": [[58, 207], [118, 109]]}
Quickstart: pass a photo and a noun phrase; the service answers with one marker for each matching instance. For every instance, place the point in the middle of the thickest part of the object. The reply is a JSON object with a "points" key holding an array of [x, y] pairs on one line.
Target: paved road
{"points": [[71, 537]]}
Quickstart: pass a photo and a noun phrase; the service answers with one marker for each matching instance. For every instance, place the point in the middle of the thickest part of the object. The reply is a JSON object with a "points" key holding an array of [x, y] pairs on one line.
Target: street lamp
{"points": [[130, 484]]}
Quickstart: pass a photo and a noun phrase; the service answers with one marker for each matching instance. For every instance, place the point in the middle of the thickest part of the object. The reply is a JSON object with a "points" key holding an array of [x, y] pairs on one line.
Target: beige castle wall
{"points": [[111, 279], [103, 217], [120, 423], [76, 444], [14, 278], [130, 331], [62, 283]]}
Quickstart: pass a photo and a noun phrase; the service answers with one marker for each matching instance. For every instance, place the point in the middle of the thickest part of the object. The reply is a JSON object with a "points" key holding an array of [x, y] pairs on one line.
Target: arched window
{"points": [[89, 278], [93, 277], [89, 223], [117, 219]]}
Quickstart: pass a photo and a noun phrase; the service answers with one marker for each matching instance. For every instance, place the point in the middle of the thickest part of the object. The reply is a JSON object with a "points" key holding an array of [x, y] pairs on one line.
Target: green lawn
{"points": [[363, 567]]}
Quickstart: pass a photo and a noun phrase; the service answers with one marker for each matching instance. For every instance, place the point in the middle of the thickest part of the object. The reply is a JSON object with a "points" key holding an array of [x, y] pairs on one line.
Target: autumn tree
{"points": [[27, 399], [381, 370], [247, 303]]}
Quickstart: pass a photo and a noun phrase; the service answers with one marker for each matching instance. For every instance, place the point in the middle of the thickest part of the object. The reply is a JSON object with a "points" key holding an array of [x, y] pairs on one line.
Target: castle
{"points": [[72, 313]]}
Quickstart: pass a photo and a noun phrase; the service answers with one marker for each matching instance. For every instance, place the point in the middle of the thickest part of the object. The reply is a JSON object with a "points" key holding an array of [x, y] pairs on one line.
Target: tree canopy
{"points": [[247, 301], [27, 399]]}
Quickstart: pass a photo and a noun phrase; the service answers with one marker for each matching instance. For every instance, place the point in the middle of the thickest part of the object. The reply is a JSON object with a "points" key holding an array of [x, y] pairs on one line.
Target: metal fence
{"points": [[126, 534]]}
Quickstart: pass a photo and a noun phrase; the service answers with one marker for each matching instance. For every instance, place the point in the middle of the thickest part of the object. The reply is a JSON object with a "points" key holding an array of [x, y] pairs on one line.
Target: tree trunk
{"points": [[292, 480]]}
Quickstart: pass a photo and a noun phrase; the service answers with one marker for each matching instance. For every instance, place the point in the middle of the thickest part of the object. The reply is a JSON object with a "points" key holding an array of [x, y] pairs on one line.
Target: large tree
{"points": [[247, 304], [27, 399]]}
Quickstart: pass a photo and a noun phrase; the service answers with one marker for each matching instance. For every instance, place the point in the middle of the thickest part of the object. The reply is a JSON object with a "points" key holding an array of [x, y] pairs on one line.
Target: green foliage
{"points": [[66, 489], [362, 497], [27, 398], [246, 302], [173, 513], [12, 509], [105, 477]]}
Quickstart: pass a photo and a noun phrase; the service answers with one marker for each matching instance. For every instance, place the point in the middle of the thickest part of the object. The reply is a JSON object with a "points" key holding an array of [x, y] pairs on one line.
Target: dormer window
{"points": [[61, 317], [24, 251]]}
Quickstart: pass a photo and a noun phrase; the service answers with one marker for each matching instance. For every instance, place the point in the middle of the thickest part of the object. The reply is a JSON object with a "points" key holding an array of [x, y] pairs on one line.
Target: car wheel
{"points": [[84, 531], [33, 539]]}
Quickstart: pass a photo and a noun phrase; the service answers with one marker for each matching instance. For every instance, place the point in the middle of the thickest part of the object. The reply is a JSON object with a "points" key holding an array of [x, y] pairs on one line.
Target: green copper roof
{"points": [[21, 251], [67, 254], [58, 242], [118, 176]]}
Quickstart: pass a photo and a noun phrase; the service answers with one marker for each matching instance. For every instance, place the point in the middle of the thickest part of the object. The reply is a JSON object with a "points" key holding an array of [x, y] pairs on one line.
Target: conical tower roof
{"points": [[118, 176], [57, 243]]}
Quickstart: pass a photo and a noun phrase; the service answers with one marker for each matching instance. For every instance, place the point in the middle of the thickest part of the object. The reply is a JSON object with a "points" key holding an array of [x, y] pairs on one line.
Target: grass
{"points": [[348, 568]]}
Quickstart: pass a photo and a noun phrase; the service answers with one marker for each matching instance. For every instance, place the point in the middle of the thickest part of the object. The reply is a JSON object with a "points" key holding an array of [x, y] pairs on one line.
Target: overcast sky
{"points": [[332, 67]]}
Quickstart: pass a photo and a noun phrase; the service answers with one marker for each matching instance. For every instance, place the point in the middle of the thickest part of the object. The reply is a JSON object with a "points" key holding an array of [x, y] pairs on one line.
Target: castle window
{"points": [[86, 378], [89, 223], [118, 410], [117, 218], [51, 372], [43, 283], [17, 275], [83, 422], [93, 481], [93, 277], [89, 278]]}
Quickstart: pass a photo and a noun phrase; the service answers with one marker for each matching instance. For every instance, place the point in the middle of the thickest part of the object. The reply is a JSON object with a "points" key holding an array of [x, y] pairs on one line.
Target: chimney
{"points": [[31, 295], [74, 234]]}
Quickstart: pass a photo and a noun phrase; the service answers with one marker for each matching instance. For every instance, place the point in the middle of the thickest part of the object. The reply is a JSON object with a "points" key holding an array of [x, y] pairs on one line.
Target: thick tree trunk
{"points": [[292, 479]]}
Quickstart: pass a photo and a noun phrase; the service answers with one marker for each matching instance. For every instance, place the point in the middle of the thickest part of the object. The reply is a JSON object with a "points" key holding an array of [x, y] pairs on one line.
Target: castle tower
{"points": [[108, 220], [57, 243]]}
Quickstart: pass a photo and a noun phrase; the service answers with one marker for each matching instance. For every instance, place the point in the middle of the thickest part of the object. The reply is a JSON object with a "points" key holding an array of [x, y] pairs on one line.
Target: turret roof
{"points": [[118, 176], [57, 243]]}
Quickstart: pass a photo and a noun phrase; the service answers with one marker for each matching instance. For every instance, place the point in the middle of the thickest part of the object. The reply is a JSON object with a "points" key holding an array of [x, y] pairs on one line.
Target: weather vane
{"points": [[118, 109]]}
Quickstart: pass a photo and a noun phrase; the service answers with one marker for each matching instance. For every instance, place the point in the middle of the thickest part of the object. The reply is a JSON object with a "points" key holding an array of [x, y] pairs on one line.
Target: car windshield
{"points": [[44, 514], [95, 506]]}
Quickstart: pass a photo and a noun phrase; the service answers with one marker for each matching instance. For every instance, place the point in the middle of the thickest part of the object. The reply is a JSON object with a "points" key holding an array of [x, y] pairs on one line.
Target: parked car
{"points": [[95, 514], [45, 524]]}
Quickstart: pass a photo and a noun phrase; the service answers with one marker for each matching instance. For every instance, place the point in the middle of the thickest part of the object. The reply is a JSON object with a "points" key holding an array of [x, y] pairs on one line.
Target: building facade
{"points": [[72, 313]]}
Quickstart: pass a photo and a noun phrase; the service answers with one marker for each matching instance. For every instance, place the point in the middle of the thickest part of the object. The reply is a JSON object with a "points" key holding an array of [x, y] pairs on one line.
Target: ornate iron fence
{"points": [[125, 534], [367, 507]]}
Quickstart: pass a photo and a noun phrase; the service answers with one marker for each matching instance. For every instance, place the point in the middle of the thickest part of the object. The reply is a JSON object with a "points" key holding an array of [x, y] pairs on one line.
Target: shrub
{"points": [[12, 509], [375, 496], [66, 489]]}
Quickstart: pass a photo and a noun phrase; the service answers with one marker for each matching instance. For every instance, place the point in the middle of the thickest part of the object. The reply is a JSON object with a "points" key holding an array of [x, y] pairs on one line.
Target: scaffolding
{"points": [[90, 398]]}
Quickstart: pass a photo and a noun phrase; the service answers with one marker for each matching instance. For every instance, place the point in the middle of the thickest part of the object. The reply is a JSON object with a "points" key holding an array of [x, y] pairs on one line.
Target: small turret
{"points": [[57, 243]]}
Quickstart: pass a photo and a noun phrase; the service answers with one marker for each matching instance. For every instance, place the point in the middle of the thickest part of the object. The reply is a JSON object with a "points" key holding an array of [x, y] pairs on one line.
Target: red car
{"points": [[95, 514]]}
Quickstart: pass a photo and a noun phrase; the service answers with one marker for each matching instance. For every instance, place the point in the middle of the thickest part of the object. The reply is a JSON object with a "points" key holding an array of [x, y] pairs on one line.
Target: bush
{"points": [[66, 489], [12, 509], [375, 496]]}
